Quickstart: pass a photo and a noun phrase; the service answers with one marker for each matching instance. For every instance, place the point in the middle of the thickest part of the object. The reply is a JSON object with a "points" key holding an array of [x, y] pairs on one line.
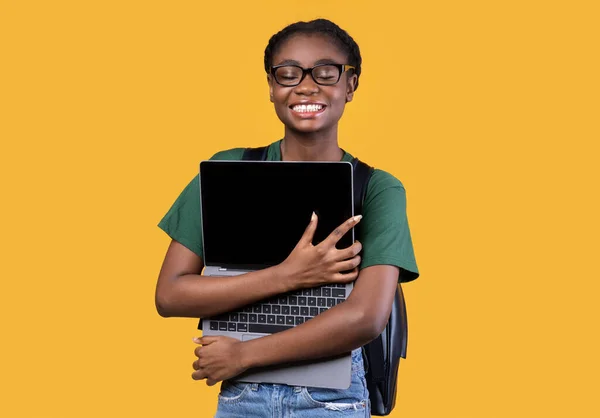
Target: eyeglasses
{"points": [[323, 74]]}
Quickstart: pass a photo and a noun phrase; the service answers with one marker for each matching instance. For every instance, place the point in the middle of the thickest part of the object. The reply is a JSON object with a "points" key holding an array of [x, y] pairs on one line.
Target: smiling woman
{"points": [[315, 104], [312, 70]]}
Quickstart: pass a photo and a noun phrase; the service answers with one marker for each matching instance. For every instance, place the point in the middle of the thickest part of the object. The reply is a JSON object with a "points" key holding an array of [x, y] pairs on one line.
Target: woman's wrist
{"points": [[247, 357], [282, 277]]}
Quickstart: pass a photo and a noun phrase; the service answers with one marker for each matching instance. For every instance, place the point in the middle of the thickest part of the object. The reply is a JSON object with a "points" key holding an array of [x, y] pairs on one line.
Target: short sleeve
{"points": [[183, 222], [384, 231]]}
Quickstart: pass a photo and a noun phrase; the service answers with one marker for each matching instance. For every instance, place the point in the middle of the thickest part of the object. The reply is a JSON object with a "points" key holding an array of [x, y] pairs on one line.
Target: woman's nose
{"points": [[307, 86]]}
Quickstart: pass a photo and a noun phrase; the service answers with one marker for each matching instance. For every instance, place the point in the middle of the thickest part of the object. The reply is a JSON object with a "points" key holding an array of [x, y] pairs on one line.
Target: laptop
{"points": [[253, 215]]}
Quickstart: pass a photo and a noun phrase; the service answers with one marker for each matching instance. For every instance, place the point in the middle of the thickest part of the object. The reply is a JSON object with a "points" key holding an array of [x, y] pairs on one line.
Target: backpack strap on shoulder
{"points": [[255, 154], [362, 175]]}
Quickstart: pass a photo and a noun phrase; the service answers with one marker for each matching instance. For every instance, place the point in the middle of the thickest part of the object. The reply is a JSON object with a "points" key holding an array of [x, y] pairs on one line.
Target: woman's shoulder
{"points": [[382, 180]]}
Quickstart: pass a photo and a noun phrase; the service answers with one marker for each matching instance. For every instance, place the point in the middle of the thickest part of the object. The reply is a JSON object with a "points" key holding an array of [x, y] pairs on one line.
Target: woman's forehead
{"points": [[308, 50]]}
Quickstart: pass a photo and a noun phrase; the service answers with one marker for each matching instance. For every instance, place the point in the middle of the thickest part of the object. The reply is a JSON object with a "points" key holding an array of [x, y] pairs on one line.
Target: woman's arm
{"points": [[344, 327], [182, 291]]}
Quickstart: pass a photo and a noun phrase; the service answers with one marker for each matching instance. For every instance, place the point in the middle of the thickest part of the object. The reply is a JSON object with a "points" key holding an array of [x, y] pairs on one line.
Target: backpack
{"points": [[382, 355]]}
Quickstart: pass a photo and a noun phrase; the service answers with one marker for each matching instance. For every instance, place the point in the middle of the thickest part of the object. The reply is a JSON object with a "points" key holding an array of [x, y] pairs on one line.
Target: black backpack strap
{"points": [[403, 321], [255, 154], [362, 175]]}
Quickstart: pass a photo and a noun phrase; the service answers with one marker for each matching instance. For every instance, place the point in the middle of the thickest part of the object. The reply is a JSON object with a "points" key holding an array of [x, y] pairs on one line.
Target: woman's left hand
{"points": [[219, 358]]}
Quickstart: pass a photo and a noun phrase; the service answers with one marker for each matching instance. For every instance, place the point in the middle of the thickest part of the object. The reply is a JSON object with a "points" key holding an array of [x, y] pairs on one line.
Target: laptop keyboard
{"points": [[281, 312]]}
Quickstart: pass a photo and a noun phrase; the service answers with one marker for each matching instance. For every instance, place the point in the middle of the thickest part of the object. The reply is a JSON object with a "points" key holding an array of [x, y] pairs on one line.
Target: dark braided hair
{"points": [[318, 26]]}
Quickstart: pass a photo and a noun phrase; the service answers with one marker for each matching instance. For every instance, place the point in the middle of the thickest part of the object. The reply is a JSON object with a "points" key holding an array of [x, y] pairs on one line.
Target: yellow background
{"points": [[487, 111]]}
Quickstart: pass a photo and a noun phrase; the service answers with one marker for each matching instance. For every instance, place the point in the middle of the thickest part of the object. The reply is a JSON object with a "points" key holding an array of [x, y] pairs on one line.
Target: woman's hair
{"points": [[317, 27]]}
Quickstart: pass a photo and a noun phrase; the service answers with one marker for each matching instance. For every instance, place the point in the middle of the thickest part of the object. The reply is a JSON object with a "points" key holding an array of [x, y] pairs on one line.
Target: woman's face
{"points": [[308, 51]]}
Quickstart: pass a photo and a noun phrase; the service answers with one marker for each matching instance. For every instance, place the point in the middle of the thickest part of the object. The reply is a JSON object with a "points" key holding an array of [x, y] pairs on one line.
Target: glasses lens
{"points": [[326, 74], [288, 75]]}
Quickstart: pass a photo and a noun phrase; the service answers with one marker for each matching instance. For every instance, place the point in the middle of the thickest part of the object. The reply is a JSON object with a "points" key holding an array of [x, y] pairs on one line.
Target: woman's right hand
{"points": [[311, 265]]}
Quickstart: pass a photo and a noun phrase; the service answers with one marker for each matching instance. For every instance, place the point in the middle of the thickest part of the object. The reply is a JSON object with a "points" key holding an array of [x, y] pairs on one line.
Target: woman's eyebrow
{"points": [[326, 61], [289, 62]]}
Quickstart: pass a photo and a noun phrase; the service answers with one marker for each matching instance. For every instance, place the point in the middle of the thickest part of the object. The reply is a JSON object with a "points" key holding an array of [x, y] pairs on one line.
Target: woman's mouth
{"points": [[307, 110]]}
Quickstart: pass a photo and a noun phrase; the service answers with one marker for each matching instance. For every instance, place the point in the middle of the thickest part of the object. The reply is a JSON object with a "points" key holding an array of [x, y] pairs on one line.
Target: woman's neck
{"points": [[297, 146]]}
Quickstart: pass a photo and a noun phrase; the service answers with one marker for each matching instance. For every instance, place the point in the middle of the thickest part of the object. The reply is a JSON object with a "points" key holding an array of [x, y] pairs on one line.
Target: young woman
{"points": [[313, 70]]}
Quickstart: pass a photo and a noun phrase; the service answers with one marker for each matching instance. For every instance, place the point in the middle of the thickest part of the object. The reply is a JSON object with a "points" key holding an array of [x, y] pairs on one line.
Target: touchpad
{"points": [[248, 337]]}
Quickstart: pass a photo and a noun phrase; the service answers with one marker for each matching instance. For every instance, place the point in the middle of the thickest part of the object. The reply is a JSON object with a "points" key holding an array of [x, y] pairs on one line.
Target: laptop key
{"points": [[268, 329], [243, 317], [222, 326], [314, 311], [283, 300], [338, 293], [321, 310], [307, 318], [262, 319], [326, 292], [316, 291], [231, 327], [242, 327], [302, 300], [252, 318], [234, 317], [280, 319], [304, 310], [289, 320], [256, 309], [330, 302], [293, 300], [295, 310], [338, 301], [285, 310], [270, 319], [214, 325], [306, 292], [299, 320], [276, 309], [321, 302], [312, 301], [248, 309], [266, 309]]}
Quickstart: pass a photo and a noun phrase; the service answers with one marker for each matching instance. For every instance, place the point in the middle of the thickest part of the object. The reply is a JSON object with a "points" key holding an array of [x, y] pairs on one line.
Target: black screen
{"points": [[254, 213]]}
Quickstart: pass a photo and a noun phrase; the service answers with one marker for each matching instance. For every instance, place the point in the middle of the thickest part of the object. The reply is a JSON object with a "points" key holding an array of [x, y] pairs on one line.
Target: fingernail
{"points": [[313, 217], [357, 218], [196, 339]]}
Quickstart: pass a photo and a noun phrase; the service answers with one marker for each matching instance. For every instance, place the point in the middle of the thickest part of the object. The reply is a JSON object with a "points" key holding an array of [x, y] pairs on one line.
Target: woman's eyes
{"points": [[326, 73]]}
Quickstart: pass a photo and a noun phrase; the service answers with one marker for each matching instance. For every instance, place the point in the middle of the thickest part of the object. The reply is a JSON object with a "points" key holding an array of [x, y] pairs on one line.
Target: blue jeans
{"points": [[248, 400]]}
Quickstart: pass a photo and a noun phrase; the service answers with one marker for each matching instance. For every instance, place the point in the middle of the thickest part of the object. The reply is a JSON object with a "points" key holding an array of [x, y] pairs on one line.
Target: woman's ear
{"points": [[351, 87], [270, 81]]}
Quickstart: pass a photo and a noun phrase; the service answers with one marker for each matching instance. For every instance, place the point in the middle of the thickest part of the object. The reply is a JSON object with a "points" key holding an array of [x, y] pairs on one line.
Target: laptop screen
{"points": [[254, 212]]}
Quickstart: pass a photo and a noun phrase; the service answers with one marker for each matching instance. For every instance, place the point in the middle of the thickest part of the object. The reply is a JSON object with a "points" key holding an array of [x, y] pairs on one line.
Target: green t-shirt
{"points": [[384, 231]]}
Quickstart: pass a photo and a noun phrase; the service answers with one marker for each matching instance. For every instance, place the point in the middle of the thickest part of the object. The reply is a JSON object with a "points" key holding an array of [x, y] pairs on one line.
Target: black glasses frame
{"points": [[342, 67]]}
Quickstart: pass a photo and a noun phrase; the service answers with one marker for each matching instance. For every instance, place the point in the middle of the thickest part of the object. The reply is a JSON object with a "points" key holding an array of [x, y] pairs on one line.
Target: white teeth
{"points": [[307, 108]]}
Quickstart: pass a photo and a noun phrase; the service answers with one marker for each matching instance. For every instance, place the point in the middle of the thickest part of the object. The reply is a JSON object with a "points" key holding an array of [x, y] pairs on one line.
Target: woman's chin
{"points": [[307, 127]]}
